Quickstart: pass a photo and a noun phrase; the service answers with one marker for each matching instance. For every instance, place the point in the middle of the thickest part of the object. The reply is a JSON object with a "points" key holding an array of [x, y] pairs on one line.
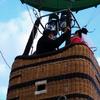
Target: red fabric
{"points": [[76, 39]]}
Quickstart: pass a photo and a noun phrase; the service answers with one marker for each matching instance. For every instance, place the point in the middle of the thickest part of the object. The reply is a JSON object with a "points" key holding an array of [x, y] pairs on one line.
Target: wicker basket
{"points": [[71, 73]]}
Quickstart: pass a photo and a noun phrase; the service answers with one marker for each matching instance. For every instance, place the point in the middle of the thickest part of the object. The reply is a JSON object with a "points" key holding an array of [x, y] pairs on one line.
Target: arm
{"points": [[65, 36]]}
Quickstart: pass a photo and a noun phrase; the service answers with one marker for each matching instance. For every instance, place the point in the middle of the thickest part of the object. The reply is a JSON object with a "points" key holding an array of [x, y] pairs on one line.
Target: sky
{"points": [[15, 28]]}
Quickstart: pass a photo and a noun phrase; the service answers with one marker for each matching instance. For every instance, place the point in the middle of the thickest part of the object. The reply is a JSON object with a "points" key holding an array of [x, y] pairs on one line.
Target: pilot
{"points": [[49, 42], [78, 37]]}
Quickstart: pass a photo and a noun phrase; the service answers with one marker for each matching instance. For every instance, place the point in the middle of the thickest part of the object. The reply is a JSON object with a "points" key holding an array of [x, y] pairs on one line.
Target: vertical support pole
{"points": [[31, 38]]}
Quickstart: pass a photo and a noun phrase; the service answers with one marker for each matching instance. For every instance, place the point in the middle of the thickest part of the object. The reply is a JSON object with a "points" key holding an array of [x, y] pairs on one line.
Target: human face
{"points": [[51, 36]]}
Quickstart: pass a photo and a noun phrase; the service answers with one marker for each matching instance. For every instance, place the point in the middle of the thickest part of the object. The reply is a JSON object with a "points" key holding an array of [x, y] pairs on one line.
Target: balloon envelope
{"points": [[55, 5]]}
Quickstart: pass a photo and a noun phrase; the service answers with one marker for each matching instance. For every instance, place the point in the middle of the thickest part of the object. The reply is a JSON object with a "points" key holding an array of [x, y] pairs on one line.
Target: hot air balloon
{"points": [[68, 73]]}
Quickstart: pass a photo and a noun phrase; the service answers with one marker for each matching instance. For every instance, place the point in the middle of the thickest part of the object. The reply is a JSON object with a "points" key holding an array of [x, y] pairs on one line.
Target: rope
{"points": [[4, 60], [29, 14], [36, 15], [31, 17]]}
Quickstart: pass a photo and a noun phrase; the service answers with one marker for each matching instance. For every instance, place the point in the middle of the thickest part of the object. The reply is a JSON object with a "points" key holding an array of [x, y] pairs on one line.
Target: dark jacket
{"points": [[45, 44]]}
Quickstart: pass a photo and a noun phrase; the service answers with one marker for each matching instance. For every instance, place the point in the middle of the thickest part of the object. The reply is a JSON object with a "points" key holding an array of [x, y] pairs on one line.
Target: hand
{"points": [[67, 29]]}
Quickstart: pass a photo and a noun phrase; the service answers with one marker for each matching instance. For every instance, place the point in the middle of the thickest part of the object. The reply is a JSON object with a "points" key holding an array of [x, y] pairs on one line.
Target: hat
{"points": [[84, 30], [79, 32]]}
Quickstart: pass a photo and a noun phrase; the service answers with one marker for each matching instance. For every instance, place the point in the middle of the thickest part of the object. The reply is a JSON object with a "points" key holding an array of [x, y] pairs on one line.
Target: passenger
{"points": [[48, 42], [78, 38]]}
